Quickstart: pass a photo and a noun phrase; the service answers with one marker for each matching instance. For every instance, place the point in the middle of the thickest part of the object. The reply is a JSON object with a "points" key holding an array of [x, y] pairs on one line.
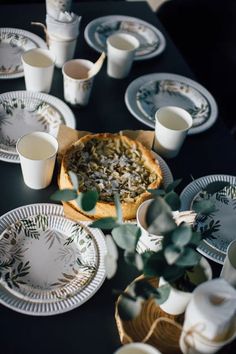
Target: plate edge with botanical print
{"points": [[125, 25], [20, 109], [219, 190], [17, 302], [27, 40], [44, 258], [139, 101]]}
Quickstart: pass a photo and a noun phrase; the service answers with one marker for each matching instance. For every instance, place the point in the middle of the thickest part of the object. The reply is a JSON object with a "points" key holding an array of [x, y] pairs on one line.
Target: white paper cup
{"points": [[121, 48], [62, 49], [38, 69], [172, 125], [77, 88], [37, 152], [137, 348], [146, 241], [228, 271], [53, 7]]}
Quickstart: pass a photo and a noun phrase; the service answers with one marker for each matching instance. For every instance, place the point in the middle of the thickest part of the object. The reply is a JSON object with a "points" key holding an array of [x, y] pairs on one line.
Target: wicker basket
{"points": [[152, 326]]}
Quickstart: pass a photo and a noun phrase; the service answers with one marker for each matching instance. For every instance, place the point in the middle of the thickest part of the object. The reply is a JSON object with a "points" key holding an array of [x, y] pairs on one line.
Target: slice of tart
{"points": [[111, 163]]}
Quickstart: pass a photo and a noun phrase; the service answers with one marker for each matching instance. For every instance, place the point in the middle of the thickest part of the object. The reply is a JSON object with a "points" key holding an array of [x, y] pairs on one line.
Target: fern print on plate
{"points": [[22, 112], [220, 225], [13, 43], [146, 94], [46, 258]]}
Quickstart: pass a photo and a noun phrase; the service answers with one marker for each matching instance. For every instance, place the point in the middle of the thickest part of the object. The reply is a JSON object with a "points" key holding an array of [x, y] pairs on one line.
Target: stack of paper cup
{"points": [[54, 7], [62, 36], [210, 321]]}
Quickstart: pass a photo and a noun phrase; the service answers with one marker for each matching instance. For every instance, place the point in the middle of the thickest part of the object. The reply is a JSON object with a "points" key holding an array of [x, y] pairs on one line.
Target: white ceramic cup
{"points": [[121, 48], [53, 7], [146, 241], [172, 125], [137, 348], [37, 152], [62, 49], [228, 271], [38, 69], [77, 88]]}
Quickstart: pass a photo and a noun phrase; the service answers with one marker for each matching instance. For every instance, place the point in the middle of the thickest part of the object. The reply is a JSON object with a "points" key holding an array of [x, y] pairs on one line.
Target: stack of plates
{"points": [[145, 95], [49, 264], [221, 223], [22, 112]]}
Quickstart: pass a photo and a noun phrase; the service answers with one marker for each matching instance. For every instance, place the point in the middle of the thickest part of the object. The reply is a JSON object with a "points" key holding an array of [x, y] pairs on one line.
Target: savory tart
{"points": [[111, 163]]}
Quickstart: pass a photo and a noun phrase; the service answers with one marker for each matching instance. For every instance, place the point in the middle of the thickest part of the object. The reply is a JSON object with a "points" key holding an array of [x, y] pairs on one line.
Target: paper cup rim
{"points": [[41, 133], [179, 109], [39, 50], [124, 35], [76, 60]]}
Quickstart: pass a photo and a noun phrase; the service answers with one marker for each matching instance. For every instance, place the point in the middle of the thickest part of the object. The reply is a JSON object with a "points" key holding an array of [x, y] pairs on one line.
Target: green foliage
{"points": [[87, 200], [173, 261], [64, 194]]}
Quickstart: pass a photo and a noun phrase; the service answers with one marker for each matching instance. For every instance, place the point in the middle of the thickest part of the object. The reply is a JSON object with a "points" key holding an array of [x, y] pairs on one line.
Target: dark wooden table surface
{"points": [[91, 328]]}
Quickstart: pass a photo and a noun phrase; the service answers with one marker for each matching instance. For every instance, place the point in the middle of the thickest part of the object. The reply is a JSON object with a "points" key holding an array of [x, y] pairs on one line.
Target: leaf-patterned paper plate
{"points": [[152, 41], [221, 224], [22, 112], [48, 264], [145, 95], [13, 43]]}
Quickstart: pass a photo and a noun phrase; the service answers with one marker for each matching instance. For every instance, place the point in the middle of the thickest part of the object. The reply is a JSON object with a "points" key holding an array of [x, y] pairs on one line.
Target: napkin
{"points": [[210, 315], [67, 136], [66, 26]]}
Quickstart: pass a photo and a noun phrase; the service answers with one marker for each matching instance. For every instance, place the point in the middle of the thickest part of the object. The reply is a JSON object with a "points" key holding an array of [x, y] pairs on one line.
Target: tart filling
{"points": [[112, 164]]}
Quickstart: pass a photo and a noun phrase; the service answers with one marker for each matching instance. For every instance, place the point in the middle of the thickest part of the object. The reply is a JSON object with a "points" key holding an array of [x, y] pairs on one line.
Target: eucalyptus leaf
{"points": [[129, 309], [157, 192], [204, 207], [118, 208], [172, 253], [173, 185], [163, 293], [182, 235], [87, 200], [173, 200], [64, 195], [144, 289], [215, 187], [105, 223], [188, 258], [196, 238], [110, 266], [172, 273], [156, 208], [126, 236], [154, 264], [162, 225], [74, 180], [134, 259]]}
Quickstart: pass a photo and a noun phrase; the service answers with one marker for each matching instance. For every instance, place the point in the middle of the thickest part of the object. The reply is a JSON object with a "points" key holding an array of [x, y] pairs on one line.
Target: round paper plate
{"points": [[152, 41], [49, 264], [13, 43], [22, 112], [146, 94]]}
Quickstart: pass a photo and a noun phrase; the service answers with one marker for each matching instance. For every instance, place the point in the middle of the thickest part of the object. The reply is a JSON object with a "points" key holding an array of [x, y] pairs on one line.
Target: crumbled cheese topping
{"points": [[111, 166]]}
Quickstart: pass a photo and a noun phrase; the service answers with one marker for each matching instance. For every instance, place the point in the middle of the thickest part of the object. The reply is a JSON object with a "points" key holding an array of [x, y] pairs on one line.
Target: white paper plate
{"points": [[146, 94], [152, 41], [13, 43], [42, 301], [22, 112], [215, 248]]}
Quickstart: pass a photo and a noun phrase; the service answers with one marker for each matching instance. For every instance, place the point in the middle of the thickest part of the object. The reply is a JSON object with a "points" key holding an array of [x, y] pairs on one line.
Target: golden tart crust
{"points": [[111, 163]]}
